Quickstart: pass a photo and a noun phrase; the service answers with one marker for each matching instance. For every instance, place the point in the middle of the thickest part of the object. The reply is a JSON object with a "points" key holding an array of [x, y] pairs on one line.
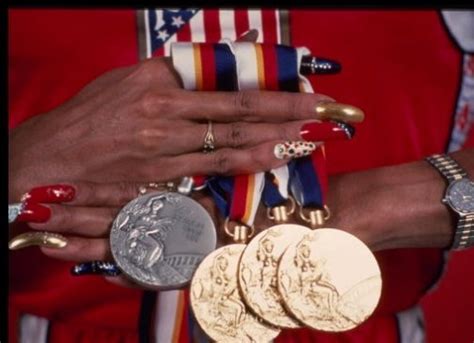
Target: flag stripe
{"points": [[269, 23], [241, 21], [212, 25], [227, 24], [197, 27], [184, 34]]}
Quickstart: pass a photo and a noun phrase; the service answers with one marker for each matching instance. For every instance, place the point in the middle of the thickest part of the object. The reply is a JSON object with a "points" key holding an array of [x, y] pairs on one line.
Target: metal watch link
{"points": [[459, 197]]}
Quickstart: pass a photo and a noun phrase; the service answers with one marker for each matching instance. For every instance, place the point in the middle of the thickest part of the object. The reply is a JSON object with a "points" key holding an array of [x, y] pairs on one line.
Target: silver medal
{"points": [[159, 239]]}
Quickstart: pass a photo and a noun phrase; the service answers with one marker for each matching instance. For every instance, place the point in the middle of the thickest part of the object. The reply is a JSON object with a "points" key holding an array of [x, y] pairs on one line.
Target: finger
{"points": [[232, 135], [82, 193], [249, 36], [249, 105], [82, 250], [78, 220], [229, 161]]}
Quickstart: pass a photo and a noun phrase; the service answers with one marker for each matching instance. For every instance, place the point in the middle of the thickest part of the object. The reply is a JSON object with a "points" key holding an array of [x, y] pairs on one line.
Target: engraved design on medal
{"points": [[216, 302], [159, 239], [258, 273], [329, 280]]}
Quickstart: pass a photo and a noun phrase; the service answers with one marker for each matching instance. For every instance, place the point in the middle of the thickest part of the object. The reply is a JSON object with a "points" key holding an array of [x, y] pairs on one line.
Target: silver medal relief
{"points": [[159, 239]]}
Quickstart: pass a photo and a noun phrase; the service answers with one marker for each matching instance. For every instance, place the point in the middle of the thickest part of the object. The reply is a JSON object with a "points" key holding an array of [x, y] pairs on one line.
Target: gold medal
{"points": [[217, 304], [258, 273], [329, 280]]}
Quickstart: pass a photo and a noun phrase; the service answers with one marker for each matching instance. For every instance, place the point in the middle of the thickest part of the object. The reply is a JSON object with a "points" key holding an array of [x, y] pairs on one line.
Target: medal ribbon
{"points": [[308, 179], [230, 66]]}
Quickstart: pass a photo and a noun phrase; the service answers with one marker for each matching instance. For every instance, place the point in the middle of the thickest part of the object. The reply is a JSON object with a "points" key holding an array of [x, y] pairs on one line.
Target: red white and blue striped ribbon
{"points": [[257, 66]]}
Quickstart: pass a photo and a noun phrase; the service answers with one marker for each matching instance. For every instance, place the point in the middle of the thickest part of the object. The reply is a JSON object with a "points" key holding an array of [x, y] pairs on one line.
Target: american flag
{"points": [[161, 27]]}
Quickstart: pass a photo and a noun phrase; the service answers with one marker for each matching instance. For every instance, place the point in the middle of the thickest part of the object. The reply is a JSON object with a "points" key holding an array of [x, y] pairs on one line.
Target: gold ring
{"points": [[209, 139]]}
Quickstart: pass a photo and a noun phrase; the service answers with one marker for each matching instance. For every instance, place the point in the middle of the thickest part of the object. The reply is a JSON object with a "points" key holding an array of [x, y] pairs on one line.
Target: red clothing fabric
{"points": [[400, 67]]}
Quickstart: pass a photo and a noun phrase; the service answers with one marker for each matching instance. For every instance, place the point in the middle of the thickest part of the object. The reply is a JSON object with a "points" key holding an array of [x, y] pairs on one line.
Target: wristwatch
{"points": [[459, 197]]}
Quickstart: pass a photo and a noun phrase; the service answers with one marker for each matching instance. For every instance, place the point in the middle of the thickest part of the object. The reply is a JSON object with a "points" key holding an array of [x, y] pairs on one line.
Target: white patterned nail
{"points": [[293, 149]]}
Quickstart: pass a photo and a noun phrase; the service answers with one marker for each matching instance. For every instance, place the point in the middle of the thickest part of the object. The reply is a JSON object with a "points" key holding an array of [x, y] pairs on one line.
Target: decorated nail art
{"points": [[293, 149], [96, 268]]}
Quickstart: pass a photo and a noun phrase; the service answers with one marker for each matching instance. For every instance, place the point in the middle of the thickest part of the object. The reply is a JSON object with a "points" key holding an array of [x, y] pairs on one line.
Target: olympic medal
{"points": [[159, 239], [329, 280], [258, 273], [217, 304]]}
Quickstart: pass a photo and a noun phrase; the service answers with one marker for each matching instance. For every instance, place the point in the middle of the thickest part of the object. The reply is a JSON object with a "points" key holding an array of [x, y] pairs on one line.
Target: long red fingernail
{"points": [[326, 131], [34, 213], [50, 194]]}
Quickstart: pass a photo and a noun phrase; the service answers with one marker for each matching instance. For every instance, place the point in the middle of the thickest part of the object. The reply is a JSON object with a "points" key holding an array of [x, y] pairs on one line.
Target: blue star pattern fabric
{"points": [[165, 23]]}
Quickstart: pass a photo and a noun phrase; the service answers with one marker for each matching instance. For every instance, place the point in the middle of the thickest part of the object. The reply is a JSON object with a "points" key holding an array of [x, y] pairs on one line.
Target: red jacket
{"points": [[401, 67]]}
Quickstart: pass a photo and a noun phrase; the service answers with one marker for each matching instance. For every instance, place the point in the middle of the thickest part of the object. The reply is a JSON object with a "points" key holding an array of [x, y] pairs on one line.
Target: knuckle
{"points": [[222, 162], [236, 135], [154, 104], [244, 103], [149, 139]]}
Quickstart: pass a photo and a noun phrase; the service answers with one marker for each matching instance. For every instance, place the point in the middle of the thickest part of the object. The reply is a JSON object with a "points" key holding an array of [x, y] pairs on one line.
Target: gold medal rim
{"points": [[311, 324]]}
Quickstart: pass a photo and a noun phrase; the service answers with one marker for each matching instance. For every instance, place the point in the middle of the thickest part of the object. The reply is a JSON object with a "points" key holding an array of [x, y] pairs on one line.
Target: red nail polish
{"points": [[34, 213], [51, 194], [326, 131]]}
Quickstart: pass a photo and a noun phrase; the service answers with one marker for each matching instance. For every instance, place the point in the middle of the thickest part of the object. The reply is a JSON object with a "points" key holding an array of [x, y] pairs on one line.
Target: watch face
{"points": [[460, 195]]}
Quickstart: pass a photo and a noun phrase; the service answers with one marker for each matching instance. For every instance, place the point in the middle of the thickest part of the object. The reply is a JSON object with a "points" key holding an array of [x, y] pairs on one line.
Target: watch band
{"points": [[448, 167], [464, 236]]}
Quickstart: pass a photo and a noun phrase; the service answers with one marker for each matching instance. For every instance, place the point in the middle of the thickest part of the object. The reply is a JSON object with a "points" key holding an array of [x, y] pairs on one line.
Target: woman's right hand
{"points": [[136, 124]]}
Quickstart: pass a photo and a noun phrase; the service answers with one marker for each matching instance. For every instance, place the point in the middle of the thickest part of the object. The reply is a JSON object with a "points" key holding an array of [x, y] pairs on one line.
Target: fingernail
{"points": [[327, 131], [293, 149], [96, 268], [339, 112], [44, 239], [50, 194], [34, 213], [319, 65]]}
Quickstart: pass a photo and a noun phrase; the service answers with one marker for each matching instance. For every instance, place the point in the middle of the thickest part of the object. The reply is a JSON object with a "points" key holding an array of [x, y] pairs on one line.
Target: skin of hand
{"points": [[136, 124]]}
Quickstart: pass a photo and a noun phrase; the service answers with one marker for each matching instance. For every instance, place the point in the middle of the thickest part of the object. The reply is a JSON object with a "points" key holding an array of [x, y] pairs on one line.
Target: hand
{"points": [[83, 213], [137, 124], [401, 205]]}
